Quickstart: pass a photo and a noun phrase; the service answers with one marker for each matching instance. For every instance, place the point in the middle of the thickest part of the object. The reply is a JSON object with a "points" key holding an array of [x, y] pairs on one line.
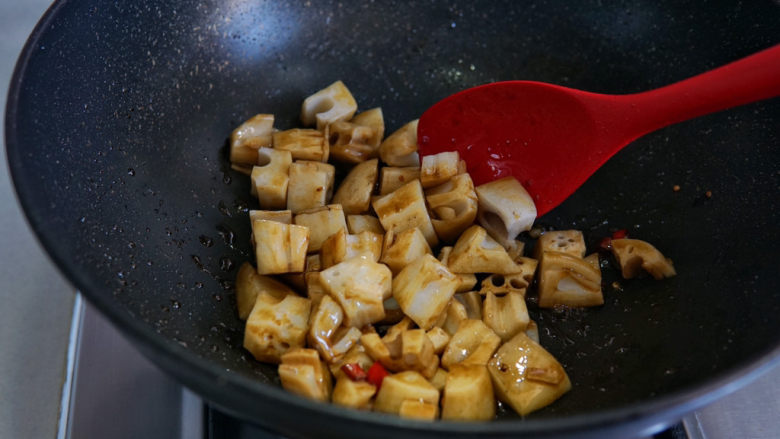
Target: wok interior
{"points": [[125, 110]]}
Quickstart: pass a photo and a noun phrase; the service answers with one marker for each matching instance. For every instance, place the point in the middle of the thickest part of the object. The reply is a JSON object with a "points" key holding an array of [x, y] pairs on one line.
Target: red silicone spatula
{"points": [[553, 138]]}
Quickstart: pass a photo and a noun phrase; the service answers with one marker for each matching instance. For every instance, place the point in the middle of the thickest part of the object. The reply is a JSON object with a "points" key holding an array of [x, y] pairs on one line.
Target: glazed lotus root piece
{"points": [[468, 394], [399, 387], [472, 302], [275, 326], [249, 285], [476, 252], [322, 222], [353, 394], [506, 315], [326, 334], [568, 280], [400, 148], [563, 241], [634, 255], [473, 343], [423, 289], [526, 376], [401, 249], [359, 286], [404, 209], [340, 246], [251, 135], [467, 280], [331, 104], [437, 169], [505, 209], [270, 178], [391, 178], [415, 409], [515, 282], [279, 248], [303, 373], [311, 185], [364, 223], [454, 206], [303, 144], [354, 193], [452, 317], [357, 140]]}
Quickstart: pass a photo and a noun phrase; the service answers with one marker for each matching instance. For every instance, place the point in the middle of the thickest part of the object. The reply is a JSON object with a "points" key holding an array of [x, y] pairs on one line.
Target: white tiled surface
{"points": [[35, 302]]}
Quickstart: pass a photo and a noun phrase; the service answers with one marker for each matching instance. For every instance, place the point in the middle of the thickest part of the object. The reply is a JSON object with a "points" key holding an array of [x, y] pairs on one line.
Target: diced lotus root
{"points": [[505, 209], [452, 317], [505, 315], [634, 255], [468, 394], [280, 248], [472, 302], [353, 394], [416, 409], [476, 252], [526, 376], [399, 387], [326, 334], [270, 178], [563, 241], [401, 249], [568, 280], [340, 246], [322, 222], [400, 148], [251, 135], [280, 216], [404, 209], [423, 289], [364, 223], [303, 373], [354, 193], [391, 178], [516, 282], [454, 206], [331, 104], [303, 144], [276, 326], [351, 142], [249, 285], [438, 168], [311, 185], [359, 285], [473, 343], [467, 280]]}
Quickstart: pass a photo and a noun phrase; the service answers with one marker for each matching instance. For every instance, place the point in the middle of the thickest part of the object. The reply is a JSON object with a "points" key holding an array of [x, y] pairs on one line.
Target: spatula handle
{"points": [[747, 80]]}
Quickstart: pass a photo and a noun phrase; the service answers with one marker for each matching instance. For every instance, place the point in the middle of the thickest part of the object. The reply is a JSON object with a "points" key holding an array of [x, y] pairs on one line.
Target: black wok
{"points": [[116, 123]]}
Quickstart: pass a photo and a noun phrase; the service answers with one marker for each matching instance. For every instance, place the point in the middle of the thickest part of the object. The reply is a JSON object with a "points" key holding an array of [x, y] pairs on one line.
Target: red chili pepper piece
{"points": [[605, 245], [354, 371], [377, 373], [620, 234]]}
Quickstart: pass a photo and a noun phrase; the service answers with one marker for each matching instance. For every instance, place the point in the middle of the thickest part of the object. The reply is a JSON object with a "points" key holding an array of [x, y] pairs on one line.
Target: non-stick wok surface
{"points": [[117, 121]]}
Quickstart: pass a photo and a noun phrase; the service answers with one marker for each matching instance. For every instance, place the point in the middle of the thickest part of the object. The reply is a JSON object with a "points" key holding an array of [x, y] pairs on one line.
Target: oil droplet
{"points": [[223, 208], [217, 297], [206, 241], [226, 179], [175, 304], [131, 172], [225, 263], [198, 285]]}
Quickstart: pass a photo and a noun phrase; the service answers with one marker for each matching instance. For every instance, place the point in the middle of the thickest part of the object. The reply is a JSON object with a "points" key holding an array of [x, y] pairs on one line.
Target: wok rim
{"points": [[207, 378]]}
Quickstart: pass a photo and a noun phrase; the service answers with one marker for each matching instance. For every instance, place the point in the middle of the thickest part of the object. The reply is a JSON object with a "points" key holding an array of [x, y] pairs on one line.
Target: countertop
{"points": [[37, 303]]}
